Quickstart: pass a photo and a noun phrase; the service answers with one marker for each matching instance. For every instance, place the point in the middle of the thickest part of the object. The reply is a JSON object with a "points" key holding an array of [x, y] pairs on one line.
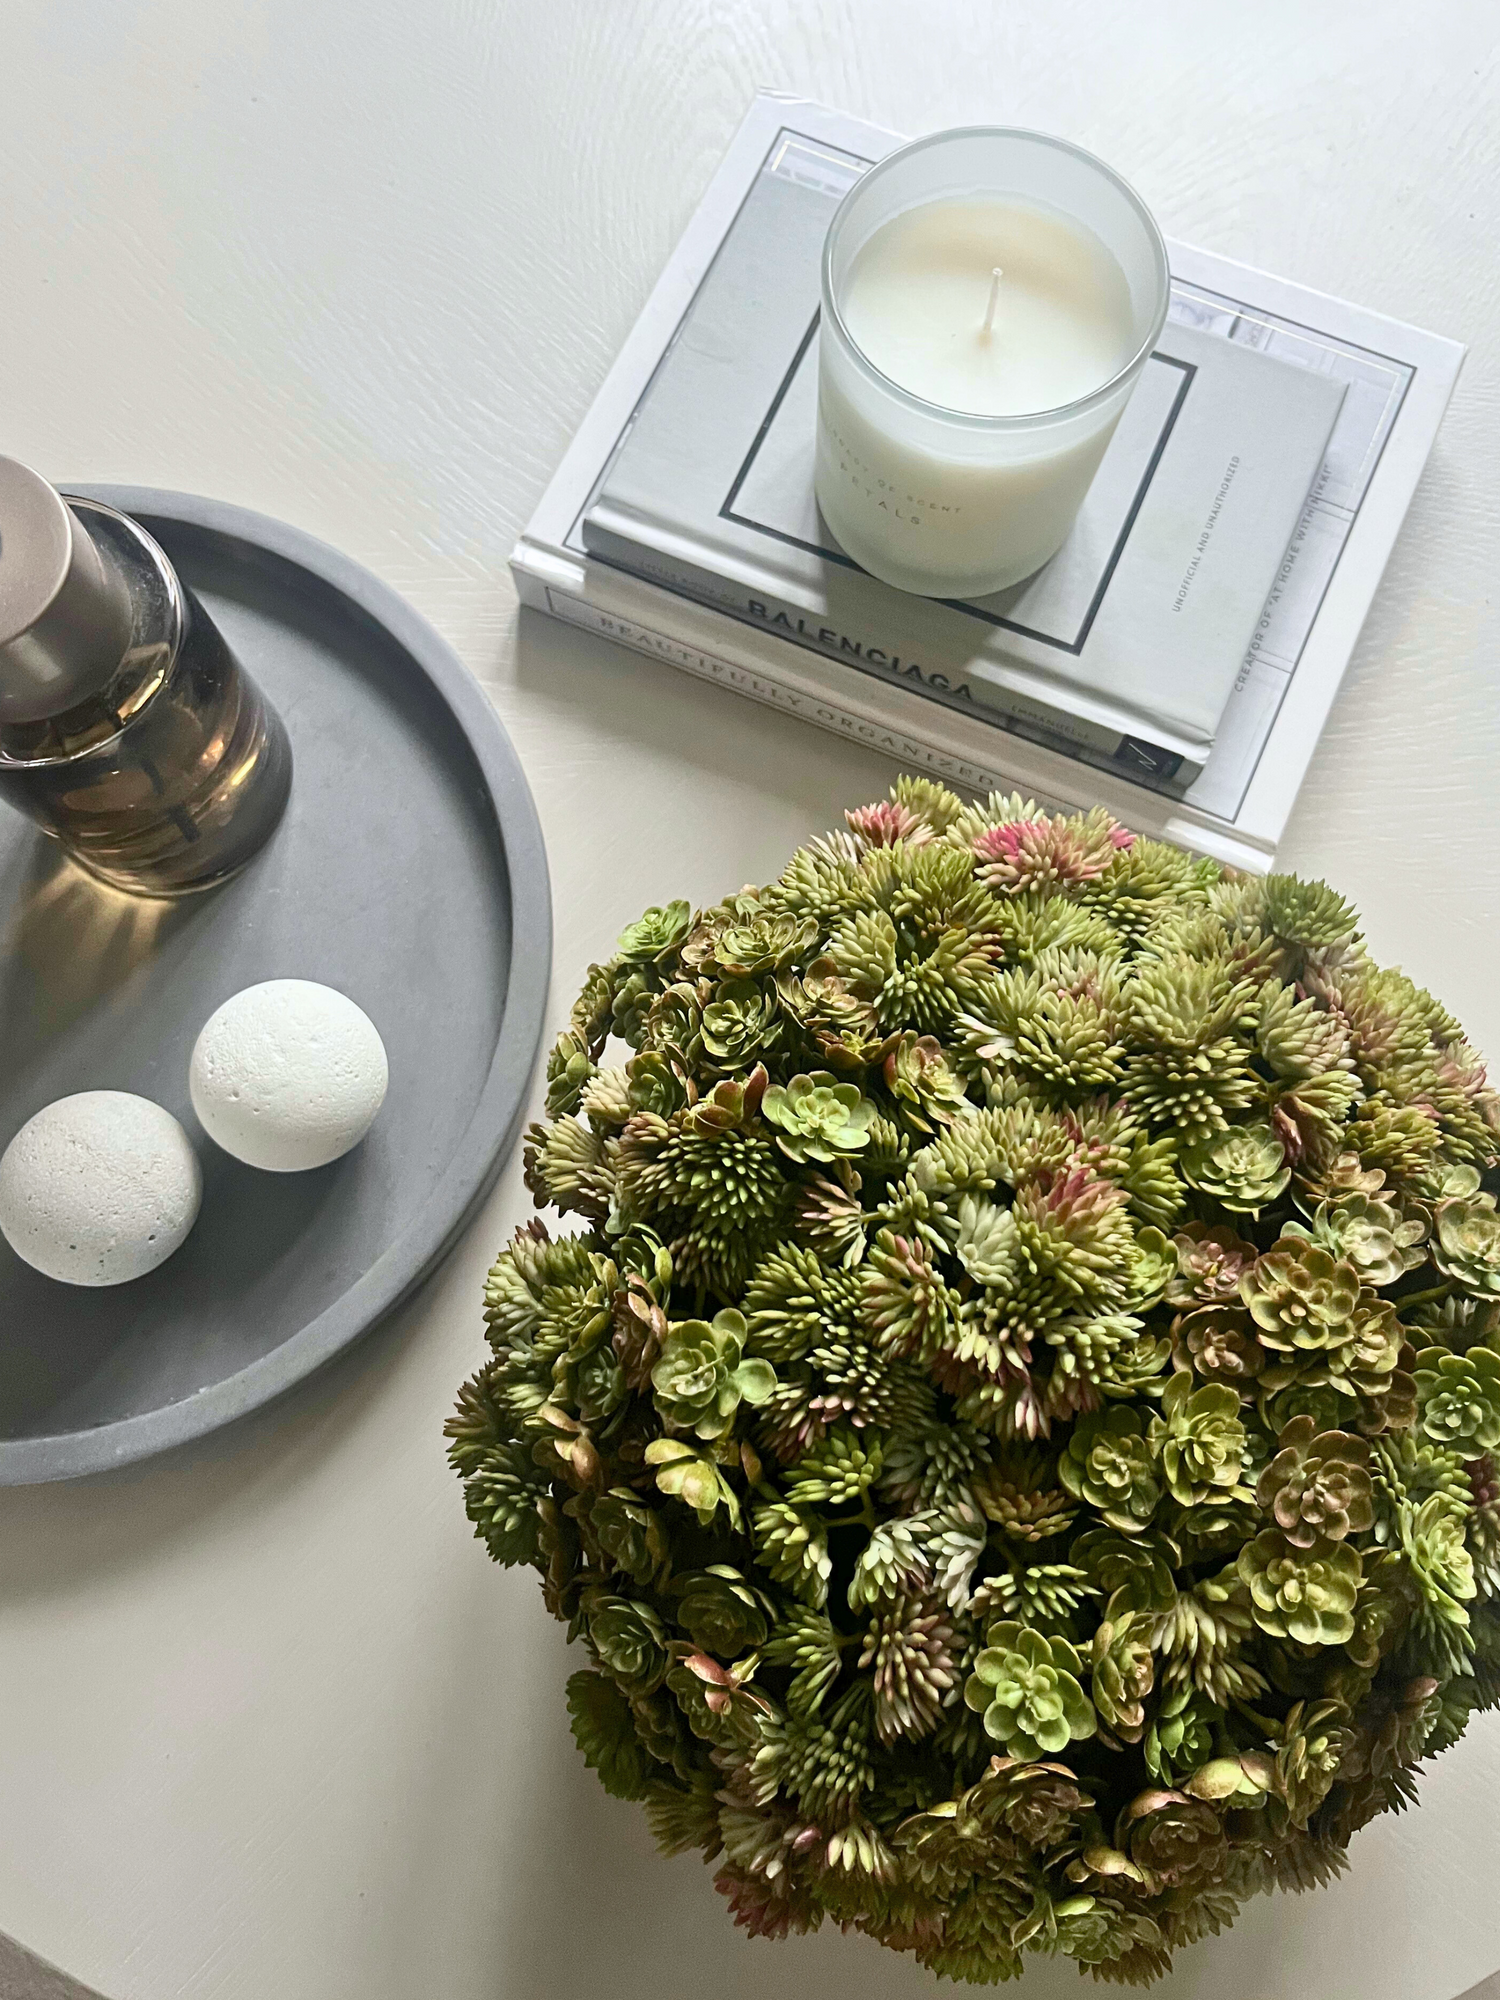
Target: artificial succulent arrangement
{"points": [[1018, 1428]]}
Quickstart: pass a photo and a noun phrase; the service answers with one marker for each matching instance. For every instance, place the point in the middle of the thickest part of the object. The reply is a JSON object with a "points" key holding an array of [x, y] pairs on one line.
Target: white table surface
{"points": [[273, 1728]]}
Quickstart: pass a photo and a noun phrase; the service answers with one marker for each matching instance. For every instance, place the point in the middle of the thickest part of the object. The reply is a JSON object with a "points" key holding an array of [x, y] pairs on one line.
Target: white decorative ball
{"points": [[99, 1188], [288, 1075]]}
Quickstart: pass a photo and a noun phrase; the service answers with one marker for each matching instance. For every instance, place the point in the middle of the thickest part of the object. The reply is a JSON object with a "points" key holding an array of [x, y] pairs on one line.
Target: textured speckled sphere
{"points": [[288, 1075], [99, 1188]]}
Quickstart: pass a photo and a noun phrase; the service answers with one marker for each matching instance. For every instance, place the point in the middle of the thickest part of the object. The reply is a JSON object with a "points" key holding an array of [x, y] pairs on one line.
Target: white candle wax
{"points": [[977, 350], [919, 297]]}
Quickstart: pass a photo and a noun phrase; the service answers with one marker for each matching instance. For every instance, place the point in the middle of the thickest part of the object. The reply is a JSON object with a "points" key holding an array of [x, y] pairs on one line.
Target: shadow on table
{"points": [[23, 1976], [59, 1540], [594, 1908], [632, 704]]}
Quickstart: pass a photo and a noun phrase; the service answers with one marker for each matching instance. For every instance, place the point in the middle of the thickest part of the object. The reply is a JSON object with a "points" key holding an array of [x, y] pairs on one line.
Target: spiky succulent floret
{"points": [[571, 1167], [909, 1649], [1018, 1491], [1016, 1432], [792, 1548], [932, 1463], [1187, 1020]]}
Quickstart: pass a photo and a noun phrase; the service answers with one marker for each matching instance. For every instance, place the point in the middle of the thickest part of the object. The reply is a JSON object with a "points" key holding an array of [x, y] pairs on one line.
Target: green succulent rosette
{"points": [[1458, 1398], [1468, 1245], [1124, 1670], [1180, 1734], [738, 1027], [701, 1379], [926, 1091], [1028, 1691], [1198, 1440], [721, 1612], [817, 1118], [1219, 1343], [1170, 1836], [652, 936], [1211, 1259], [694, 1477], [1010, 1412], [1300, 1296], [1373, 1235], [632, 1534], [1307, 1594], [1317, 1488], [1109, 1464], [1243, 1168], [759, 940], [629, 1639], [653, 1083]]}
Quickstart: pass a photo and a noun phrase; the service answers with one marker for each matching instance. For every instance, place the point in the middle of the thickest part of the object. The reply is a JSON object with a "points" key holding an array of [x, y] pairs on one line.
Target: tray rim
{"points": [[488, 1137]]}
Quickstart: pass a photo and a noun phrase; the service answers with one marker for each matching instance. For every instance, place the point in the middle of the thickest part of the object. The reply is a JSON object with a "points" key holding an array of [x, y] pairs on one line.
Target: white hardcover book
{"points": [[1204, 639]]}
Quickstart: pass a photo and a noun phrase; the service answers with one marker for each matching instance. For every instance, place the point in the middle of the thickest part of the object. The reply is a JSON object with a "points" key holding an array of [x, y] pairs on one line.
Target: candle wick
{"points": [[989, 312]]}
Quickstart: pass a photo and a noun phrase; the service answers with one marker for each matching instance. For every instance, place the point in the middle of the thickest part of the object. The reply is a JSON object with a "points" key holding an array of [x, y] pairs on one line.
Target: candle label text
{"points": [[909, 508]]}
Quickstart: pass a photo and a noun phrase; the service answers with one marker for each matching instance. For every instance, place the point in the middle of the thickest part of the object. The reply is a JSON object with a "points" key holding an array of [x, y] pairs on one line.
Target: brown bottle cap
{"points": [[65, 609]]}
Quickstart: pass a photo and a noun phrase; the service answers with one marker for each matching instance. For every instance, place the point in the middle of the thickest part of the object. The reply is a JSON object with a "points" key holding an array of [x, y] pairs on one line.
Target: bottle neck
{"points": [[66, 611], [125, 659]]}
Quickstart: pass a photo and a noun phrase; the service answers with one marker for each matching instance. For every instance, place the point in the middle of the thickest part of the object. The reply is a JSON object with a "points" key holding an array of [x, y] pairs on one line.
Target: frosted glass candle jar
{"points": [[989, 300]]}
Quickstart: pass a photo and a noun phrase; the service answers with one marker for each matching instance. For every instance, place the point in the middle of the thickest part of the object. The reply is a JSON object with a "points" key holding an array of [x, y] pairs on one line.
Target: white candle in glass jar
{"points": [[977, 349]]}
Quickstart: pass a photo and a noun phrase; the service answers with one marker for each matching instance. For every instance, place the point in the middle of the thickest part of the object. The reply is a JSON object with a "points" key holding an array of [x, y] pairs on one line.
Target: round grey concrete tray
{"points": [[410, 873]]}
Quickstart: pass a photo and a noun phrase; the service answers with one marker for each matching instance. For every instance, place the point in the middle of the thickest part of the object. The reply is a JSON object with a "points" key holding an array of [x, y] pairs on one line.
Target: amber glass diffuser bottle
{"points": [[128, 730]]}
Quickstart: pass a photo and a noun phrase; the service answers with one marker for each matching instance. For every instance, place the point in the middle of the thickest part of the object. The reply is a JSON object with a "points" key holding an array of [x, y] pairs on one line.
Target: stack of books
{"points": [[1178, 657]]}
